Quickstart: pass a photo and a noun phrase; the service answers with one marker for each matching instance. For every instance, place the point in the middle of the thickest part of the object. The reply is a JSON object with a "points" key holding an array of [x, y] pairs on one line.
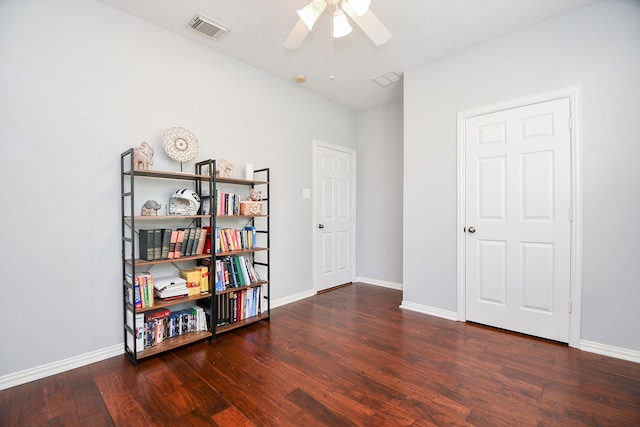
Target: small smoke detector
{"points": [[209, 27], [388, 78]]}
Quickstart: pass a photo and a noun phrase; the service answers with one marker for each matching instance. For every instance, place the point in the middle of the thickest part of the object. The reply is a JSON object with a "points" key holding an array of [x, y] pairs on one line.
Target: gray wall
{"points": [[80, 83], [380, 195], [597, 47]]}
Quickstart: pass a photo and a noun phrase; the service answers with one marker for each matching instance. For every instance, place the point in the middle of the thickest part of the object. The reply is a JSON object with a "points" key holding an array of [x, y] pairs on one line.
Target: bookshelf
{"points": [[202, 313], [238, 304], [185, 319]]}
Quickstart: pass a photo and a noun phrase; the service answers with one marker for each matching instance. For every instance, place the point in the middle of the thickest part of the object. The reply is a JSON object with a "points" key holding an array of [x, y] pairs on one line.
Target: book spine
{"points": [[146, 240], [157, 243]]}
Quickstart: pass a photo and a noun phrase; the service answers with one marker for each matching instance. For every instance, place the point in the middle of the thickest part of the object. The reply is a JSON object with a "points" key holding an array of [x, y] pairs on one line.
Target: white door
{"points": [[334, 216], [518, 230]]}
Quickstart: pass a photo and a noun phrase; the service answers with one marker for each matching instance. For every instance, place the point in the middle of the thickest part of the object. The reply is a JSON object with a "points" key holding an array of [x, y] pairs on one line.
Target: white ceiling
{"points": [[422, 31]]}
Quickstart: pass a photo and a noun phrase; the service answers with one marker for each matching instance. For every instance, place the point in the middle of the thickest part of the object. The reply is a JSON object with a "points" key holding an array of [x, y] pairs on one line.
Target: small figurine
{"points": [[255, 195], [224, 168], [142, 156], [150, 208]]}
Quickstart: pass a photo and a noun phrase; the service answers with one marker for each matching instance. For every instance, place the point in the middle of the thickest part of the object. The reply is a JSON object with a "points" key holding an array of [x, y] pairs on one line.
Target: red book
{"points": [[179, 242], [207, 240], [172, 243]]}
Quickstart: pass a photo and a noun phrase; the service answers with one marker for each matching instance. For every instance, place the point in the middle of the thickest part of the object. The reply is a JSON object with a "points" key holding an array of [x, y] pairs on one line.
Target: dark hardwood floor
{"points": [[349, 357]]}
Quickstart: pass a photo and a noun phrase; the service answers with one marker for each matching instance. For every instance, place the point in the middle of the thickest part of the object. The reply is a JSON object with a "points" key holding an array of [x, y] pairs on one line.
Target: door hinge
{"points": [[570, 306], [570, 123], [570, 214]]}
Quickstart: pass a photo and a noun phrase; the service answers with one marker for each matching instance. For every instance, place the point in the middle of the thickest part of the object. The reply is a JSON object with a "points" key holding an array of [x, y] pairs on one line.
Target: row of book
{"points": [[234, 272], [227, 203], [232, 239], [236, 306], [140, 293], [145, 288], [154, 327], [165, 243]]}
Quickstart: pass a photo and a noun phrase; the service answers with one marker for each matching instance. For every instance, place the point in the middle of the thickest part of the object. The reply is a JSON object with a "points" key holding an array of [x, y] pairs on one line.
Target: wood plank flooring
{"points": [[349, 357]]}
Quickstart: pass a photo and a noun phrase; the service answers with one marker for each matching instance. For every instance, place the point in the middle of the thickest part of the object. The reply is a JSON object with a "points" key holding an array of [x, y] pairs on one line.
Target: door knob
{"points": [[320, 225], [471, 230]]}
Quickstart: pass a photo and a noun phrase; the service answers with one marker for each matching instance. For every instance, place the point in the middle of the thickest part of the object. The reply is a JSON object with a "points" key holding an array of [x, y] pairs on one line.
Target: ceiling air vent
{"points": [[209, 27], [388, 78]]}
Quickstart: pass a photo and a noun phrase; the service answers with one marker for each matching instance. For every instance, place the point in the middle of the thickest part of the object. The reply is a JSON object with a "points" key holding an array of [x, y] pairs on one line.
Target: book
{"points": [[157, 244], [207, 243], [146, 242], [219, 284], [172, 244], [251, 237], [202, 241], [179, 242], [135, 324], [196, 239], [233, 277], [169, 287], [157, 314], [240, 269], [166, 242], [187, 241]]}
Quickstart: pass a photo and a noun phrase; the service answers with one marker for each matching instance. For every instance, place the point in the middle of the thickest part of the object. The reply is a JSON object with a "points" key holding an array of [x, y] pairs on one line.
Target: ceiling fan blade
{"points": [[370, 24], [297, 35]]}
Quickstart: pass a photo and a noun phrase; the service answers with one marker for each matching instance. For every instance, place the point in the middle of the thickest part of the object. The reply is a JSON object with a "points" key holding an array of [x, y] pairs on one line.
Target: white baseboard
{"points": [[39, 372], [432, 311], [611, 351], [383, 283], [292, 298]]}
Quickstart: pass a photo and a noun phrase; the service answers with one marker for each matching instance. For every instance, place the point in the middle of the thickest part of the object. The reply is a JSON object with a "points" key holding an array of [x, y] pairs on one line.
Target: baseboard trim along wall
{"points": [[292, 298], [383, 283], [432, 311], [611, 351], [39, 372]]}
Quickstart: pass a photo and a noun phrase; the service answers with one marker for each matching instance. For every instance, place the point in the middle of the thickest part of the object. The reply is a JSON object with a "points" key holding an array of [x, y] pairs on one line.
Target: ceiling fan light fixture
{"points": [[359, 7], [341, 26], [311, 12]]}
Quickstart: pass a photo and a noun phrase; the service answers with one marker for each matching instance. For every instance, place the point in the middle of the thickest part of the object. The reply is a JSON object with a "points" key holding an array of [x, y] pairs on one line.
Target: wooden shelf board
{"points": [[241, 323], [158, 303], [169, 260], [167, 174], [241, 216], [165, 217], [240, 251], [240, 181], [241, 288], [175, 342]]}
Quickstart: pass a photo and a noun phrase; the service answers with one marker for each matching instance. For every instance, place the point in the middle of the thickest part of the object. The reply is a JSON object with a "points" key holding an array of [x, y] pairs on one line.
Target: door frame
{"points": [[575, 286], [315, 201]]}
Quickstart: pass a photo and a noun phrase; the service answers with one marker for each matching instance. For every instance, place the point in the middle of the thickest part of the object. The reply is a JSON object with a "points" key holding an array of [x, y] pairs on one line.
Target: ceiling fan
{"points": [[358, 11]]}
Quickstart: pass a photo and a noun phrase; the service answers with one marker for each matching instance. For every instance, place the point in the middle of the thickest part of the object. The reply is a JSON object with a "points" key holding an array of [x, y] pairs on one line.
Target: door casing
{"points": [[573, 94]]}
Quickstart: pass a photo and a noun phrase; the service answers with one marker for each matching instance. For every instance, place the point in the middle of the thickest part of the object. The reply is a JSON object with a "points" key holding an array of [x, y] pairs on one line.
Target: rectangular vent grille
{"points": [[208, 27], [388, 78]]}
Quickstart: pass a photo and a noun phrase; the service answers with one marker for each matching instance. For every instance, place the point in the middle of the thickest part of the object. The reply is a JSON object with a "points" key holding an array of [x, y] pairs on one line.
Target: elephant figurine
{"points": [[142, 156], [150, 208]]}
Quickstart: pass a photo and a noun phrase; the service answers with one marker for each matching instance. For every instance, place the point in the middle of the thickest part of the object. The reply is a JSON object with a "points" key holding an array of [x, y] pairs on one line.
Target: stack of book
{"points": [[165, 243], [170, 287]]}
